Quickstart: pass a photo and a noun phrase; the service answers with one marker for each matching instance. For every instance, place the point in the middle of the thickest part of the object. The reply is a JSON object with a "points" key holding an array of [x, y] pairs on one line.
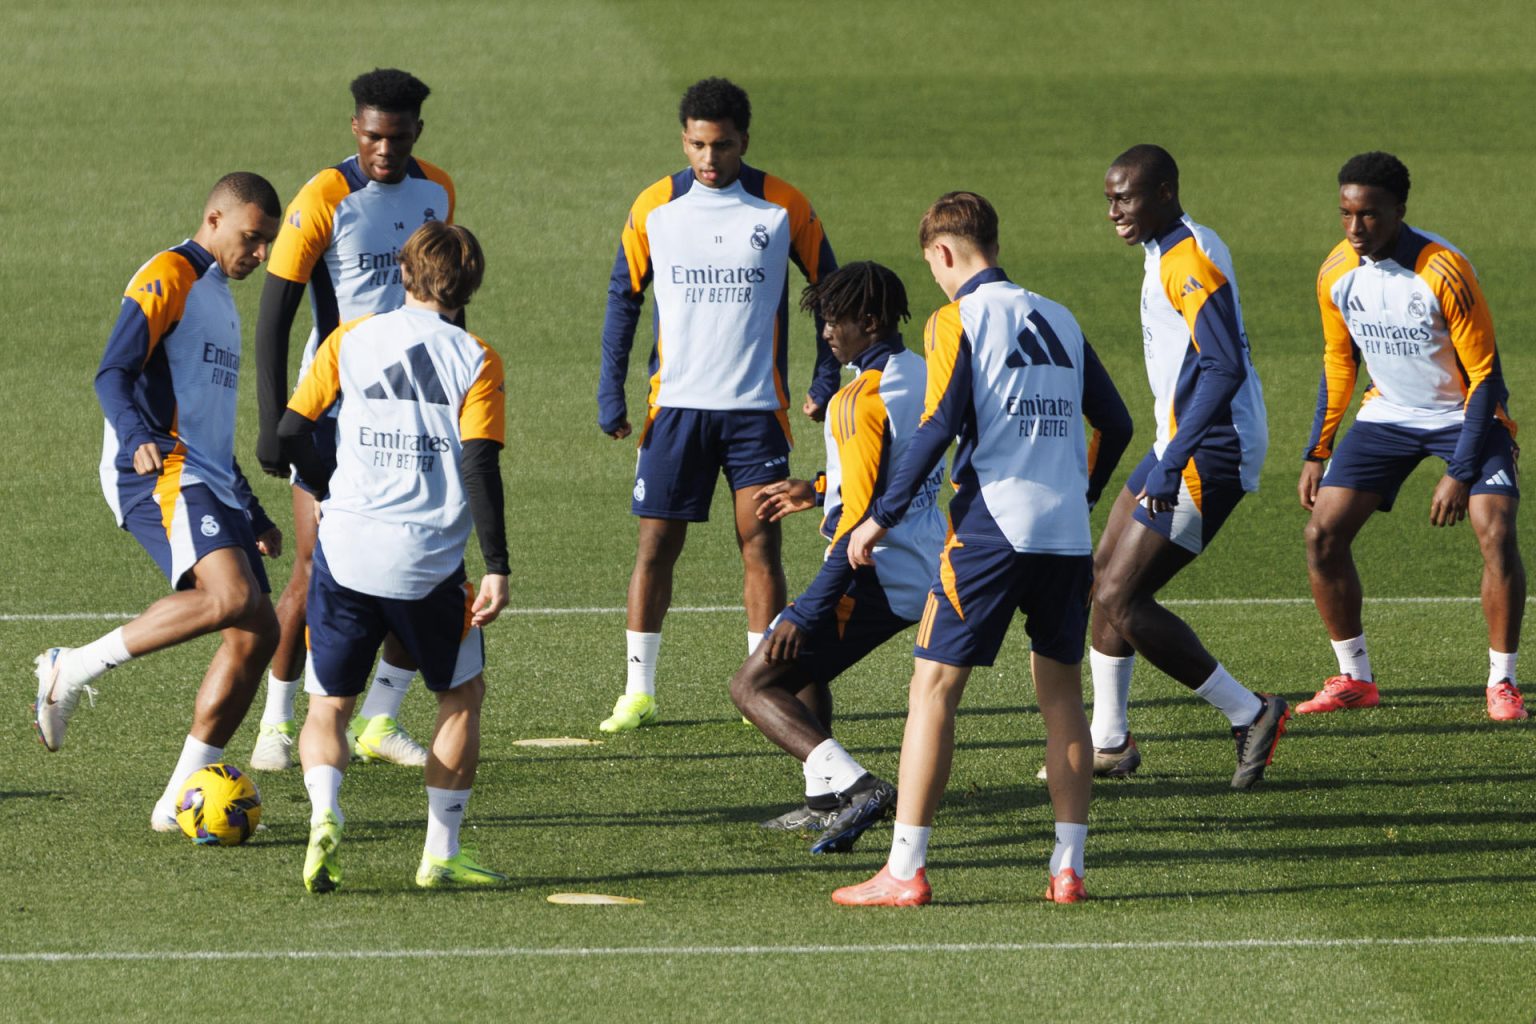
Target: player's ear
{"points": [[870, 325], [745, 138], [420, 126]]}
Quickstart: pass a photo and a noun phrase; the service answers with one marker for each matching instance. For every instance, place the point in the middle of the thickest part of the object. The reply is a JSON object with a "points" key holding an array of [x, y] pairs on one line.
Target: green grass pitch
{"points": [[1385, 870]]}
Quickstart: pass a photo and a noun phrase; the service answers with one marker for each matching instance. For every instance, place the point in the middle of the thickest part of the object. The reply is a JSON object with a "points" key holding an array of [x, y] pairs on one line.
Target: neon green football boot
{"points": [[453, 872], [630, 712], [322, 872]]}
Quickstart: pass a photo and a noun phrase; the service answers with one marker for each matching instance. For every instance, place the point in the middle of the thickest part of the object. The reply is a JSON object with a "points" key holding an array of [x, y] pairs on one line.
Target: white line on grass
{"points": [[715, 609], [512, 952]]}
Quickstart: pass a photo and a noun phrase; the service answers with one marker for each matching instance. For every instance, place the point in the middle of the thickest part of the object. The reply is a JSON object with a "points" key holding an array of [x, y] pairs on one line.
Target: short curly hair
{"points": [[856, 290], [1379, 170], [716, 99], [390, 90]]}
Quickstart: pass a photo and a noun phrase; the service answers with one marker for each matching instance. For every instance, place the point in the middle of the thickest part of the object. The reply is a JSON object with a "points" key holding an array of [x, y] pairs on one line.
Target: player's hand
{"points": [[621, 431], [783, 644], [1154, 505], [492, 599], [1448, 506], [862, 541], [814, 409], [783, 498], [270, 543], [1308, 483], [269, 453], [147, 459]]}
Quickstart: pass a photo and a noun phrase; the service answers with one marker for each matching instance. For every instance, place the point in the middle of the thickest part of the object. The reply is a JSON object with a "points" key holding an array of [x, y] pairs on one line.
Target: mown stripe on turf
{"points": [[714, 609], [513, 952]]}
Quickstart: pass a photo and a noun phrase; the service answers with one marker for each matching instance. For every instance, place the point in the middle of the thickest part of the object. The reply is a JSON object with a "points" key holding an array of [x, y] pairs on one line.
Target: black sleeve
{"points": [[280, 300], [481, 469], [297, 447]]}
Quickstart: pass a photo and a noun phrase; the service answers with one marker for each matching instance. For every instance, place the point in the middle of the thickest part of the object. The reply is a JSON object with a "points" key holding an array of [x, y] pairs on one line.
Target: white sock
{"points": [[1501, 666], [280, 694], [642, 651], [1353, 659], [387, 691], [1240, 704], [909, 850], [1070, 840], [323, 782], [194, 754], [95, 659], [833, 766], [445, 813], [1111, 697], [753, 639], [815, 786]]}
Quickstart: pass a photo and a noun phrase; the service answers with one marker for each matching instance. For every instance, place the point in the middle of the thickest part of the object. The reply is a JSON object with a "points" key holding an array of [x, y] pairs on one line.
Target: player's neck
{"points": [[429, 306]]}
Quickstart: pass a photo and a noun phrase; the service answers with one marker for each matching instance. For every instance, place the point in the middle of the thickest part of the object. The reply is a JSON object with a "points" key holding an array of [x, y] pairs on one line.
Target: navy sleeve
{"points": [[1110, 419], [619, 322], [820, 599], [929, 443], [1223, 369], [121, 366], [827, 375], [1477, 420]]}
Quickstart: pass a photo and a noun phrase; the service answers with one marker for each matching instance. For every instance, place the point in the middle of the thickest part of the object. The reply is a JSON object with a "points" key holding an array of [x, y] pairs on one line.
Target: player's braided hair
{"points": [[856, 290], [1379, 170], [390, 90], [715, 99]]}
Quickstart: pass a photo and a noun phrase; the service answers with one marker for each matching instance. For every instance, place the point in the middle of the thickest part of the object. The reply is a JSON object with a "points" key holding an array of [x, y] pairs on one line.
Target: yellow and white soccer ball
{"points": [[219, 806]]}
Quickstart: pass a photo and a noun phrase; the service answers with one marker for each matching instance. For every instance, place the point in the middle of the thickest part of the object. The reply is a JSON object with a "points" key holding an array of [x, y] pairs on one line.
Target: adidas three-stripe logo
{"points": [[428, 387], [153, 288], [1499, 479], [1038, 346]]}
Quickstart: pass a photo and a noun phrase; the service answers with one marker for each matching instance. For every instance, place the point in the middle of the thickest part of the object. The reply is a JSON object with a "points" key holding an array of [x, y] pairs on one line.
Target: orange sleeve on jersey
{"points": [[634, 240], [437, 174], [858, 417], [484, 413], [941, 347], [1454, 283], [1340, 365], [160, 290], [1189, 278], [306, 229], [805, 230], [321, 385]]}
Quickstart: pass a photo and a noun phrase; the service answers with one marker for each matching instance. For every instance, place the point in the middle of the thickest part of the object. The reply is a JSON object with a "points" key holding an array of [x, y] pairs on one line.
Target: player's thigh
{"points": [[1493, 518], [181, 529], [970, 606], [346, 628], [435, 630], [1338, 514], [1209, 490], [1144, 561], [1120, 515], [1054, 598], [676, 466], [861, 622], [1374, 458]]}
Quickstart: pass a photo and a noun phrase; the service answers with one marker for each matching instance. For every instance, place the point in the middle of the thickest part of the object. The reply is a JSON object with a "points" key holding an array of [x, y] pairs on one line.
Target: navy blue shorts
{"points": [[324, 438], [683, 451], [179, 526], [979, 588], [862, 621], [1208, 492], [346, 628], [1377, 458]]}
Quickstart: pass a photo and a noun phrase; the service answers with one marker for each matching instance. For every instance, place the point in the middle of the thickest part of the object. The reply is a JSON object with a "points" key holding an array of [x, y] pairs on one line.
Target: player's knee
{"points": [[1112, 600], [745, 685], [1501, 553], [1324, 543]]}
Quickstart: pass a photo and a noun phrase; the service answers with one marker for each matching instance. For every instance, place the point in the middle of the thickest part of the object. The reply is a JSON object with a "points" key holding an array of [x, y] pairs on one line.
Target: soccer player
{"points": [[715, 239], [339, 239], [1009, 375], [1211, 439], [846, 613], [420, 434], [1409, 304], [168, 385]]}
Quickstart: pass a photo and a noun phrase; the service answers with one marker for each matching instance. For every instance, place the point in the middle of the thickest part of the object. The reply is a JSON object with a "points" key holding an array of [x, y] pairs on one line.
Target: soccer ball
{"points": [[219, 806]]}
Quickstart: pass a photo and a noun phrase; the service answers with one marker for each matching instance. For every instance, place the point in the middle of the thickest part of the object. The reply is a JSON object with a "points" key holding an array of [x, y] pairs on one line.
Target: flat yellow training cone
{"points": [[593, 899]]}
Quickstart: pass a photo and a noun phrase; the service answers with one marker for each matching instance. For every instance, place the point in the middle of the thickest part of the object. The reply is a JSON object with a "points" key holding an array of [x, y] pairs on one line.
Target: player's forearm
{"points": [[826, 589], [1477, 421], [298, 448], [481, 469], [1111, 420], [114, 392], [619, 323], [260, 521], [922, 454], [1212, 398]]}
